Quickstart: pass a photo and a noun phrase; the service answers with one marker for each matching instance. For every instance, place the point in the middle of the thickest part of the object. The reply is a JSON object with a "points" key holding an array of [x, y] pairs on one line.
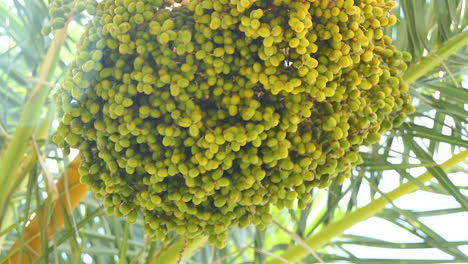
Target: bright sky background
{"points": [[452, 227]]}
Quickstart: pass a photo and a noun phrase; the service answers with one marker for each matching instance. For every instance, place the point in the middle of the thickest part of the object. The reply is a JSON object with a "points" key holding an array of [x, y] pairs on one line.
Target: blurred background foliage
{"points": [[432, 135]]}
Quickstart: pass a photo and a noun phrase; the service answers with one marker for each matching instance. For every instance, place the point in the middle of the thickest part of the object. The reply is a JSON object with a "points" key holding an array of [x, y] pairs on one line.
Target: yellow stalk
{"points": [[17, 146]]}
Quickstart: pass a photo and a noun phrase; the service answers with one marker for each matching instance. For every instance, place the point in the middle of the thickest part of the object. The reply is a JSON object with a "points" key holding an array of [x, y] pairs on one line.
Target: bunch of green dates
{"points": [[202, 115], [62, 10]]}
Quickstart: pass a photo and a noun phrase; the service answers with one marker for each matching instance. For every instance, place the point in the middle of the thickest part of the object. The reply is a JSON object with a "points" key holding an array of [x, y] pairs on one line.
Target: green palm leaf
{"points": [[433, 31]]}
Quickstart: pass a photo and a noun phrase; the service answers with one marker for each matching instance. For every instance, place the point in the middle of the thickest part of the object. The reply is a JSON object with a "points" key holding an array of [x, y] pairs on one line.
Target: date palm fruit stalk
{"points": [[201, 116]]}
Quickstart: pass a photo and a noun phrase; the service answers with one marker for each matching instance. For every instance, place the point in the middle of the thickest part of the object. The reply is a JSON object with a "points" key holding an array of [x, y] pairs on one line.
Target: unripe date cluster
{"points": [[62, 10], [203, 115]]}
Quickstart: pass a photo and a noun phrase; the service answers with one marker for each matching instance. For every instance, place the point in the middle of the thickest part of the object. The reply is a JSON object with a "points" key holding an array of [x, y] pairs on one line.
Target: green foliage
{"points": [[437, 128]]}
